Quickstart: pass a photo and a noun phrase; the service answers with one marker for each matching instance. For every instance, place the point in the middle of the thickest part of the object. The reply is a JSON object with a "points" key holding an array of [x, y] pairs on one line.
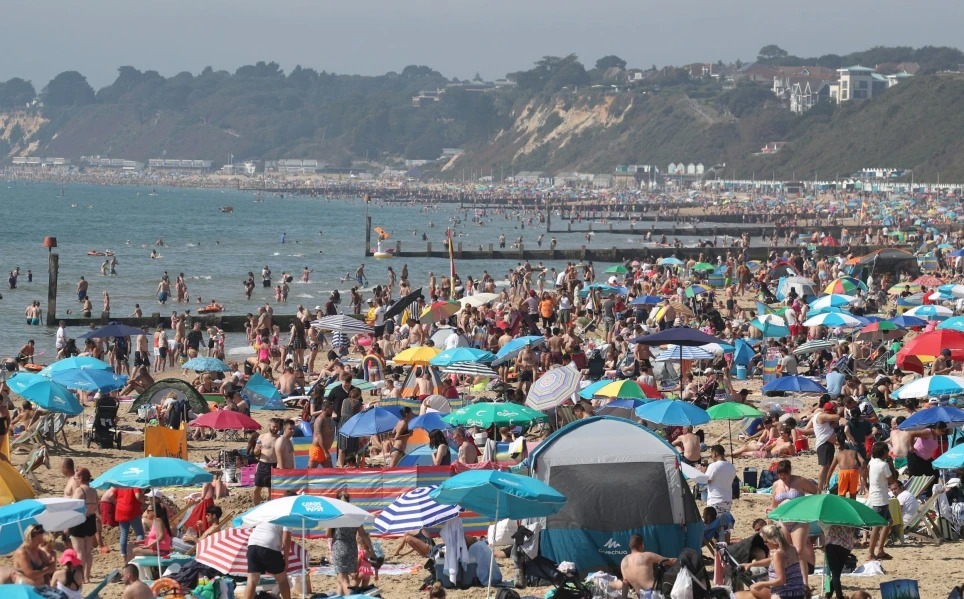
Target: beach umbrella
{"points": [[908, 322], [933, 342], [703, 267], [305, 511], [620, 408], [901, 287], [930, 312], [770, 326], [680, 336], [646, 300], [226, 420], [439, 311], [342, 323], [53, 513], [589, 391], [369, 423], [718, 348], [469, 369], [13, 486], [362, 385], [794, 384], [90, 379], [438, 403], [403, 302], [692, 291], [954, 324], [833, 300], [261, 394], [828, 510], [416, 355], [479, 299], [670, 261], [692, 474], [441, 335], [414, 510], [845, 285], [206, 364], [227, 552], [499, 495], [628, 389], [949, 415], [512, 349], [111, 330], [143, 473], [928, 281], [952, 290], [554, 387], [75, 362], [814, 346], [21, 591], [486, 414], [461, 354], [680, 352], [430, 421], [730, 411], [617, 269], [882, 328], [603, 289], [952, 458], [45, 393], [930, 386], [832, 320], [672, 412]]}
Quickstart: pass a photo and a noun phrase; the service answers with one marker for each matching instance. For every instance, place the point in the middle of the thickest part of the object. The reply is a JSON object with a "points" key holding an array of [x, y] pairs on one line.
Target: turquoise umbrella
{"points": [[149, 472], [45, 393], [76, 362], [461, 354]]}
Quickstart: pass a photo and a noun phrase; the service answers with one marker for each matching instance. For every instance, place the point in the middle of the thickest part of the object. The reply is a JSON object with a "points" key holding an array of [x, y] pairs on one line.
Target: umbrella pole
{"points": [[729, 426], [681, 372], [488, 586], [304, 566]]}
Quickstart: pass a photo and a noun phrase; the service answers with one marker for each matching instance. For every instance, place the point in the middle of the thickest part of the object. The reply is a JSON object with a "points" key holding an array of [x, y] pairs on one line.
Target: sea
{"points": [[215, 250]]}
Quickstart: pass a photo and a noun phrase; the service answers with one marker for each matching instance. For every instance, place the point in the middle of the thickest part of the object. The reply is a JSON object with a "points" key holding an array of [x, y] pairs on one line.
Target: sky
{"points": [[456, 37]]}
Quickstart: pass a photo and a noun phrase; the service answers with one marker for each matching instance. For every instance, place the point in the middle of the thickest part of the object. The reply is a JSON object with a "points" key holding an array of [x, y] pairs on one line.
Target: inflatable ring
{"points": [[373, 364], [167, 587], [364, 341]]}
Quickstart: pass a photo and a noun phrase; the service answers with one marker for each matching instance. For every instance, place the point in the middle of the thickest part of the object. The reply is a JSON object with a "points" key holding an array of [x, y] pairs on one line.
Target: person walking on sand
{"points": [[879, 480]]}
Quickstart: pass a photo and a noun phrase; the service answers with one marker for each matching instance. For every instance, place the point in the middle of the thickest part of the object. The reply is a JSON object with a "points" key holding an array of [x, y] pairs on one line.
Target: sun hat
{"points": [[70, 556]]}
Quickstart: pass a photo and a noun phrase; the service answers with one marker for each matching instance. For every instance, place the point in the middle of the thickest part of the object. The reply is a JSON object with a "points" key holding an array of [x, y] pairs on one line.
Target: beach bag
{"points": [[683, 587], [501, 533]]}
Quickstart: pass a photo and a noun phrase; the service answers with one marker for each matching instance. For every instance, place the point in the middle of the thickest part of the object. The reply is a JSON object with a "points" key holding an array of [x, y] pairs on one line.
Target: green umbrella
{"points": [[362, 385], [703, 266], [730, 411], [618, 269], [827, 509], [486, 414]]}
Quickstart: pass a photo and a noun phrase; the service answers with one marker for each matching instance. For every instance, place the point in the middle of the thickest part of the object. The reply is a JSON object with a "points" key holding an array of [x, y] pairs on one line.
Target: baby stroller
{"points": [[692, 562], [103, 428], [568, 585]]}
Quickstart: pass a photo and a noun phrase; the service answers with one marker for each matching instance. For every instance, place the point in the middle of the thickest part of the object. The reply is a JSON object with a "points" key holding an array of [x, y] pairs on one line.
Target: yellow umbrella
{"points": [[416, 355], [13, 487], [439, 311]]}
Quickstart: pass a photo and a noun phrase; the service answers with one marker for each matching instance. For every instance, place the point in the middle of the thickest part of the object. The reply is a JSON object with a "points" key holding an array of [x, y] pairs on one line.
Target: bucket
{"points": [[230, 475], [740, 372]]}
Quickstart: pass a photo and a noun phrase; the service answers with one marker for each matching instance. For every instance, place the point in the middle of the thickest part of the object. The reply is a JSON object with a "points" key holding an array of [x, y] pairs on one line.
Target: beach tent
{"points": [[889, 260], [176, 388], [781, 269], [410, 389], [805, 287], [620, 479]]}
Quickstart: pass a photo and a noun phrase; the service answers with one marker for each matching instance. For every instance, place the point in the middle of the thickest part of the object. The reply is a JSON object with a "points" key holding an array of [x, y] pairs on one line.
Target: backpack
{"points": [[506, 593]]}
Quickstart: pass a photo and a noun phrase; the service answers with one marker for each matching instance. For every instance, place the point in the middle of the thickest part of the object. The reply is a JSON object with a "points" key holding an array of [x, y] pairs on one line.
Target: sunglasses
{"points": [[37, 531]]}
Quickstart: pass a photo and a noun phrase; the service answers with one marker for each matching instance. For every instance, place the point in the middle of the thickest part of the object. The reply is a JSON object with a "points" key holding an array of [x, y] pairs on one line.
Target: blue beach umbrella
{"points": [[831, 319], [111, 330], [414, 510], [684, 336], [461, 354], [305, 511], [369, 423], [743, 352], [53, 513], [908, 322], [45, 393], [952, 458], [670, 261], [672, 412], [646, 300], [206, 364], [261, 394], [89, 379], [431, 421], [930, 386], [20, 591], [423, 455], [621, 408], [770, 326], [75, 362], [512, 349], [604, 290], [680, 352], [951, 416], [148, 472], [500, 495], [554, 387], [955, 323], [795, 384], [834, 300]]}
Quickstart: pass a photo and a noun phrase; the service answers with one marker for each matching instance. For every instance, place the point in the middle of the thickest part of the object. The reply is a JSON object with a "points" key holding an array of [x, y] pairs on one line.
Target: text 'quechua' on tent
{"points": [[621, 479]]}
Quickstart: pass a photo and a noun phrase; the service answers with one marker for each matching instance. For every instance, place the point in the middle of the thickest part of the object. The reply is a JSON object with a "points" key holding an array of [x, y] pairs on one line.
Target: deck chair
{"points": [[53, 426], [923, 526], [95, 592], [28, 439], [916, 485], [38, 457]]}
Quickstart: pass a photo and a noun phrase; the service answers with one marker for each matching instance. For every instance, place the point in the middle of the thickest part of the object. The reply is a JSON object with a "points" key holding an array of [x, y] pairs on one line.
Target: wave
{"points": [[243, 350], [305, 295]]}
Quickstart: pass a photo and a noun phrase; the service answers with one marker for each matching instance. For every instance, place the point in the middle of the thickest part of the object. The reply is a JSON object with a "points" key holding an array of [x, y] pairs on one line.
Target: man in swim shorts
{"points": [[265, 449], [323, 435]]}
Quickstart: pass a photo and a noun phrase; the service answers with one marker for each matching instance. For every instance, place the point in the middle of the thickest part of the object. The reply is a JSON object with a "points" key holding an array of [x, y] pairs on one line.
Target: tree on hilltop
{"points": [[69, 88], [608, 62], [16, 93], [770, 53]]}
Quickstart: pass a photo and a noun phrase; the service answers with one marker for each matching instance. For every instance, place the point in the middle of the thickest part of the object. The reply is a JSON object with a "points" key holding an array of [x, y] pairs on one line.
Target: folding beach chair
{"points": [[95, 592], [923, 526], [38, 457], [52, 427], [917, 485], [28, 439]]}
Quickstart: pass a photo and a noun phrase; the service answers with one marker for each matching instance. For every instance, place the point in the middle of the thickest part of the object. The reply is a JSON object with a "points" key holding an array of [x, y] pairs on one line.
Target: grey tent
{"points": [[156, 393], [620, 479]]}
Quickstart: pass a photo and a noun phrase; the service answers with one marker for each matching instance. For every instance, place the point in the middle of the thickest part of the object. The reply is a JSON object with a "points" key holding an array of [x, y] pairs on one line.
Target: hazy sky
{"points": [[456, 37]]}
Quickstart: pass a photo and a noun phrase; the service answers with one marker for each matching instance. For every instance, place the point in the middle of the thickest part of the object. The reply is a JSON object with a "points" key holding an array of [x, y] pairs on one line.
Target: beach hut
{"points": [[620, 479]]}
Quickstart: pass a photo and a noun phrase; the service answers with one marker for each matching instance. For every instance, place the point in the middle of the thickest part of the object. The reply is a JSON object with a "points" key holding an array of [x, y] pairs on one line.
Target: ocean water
{"points": [[215, 251]]}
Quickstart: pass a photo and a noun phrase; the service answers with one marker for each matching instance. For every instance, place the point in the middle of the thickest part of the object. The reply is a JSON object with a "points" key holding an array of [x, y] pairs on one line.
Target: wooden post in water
{"points": [[53, 268], [368, 235]]}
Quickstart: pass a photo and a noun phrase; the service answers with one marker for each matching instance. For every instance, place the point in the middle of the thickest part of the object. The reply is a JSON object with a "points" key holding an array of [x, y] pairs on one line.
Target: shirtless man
{"points": [[395, 446], [134, 588], [554, 355], [415, 336], [285, 449], [637, 569], [852, 478], [900, 441], [525, 367], [67, 469], [266, 452], [468, 452], [689, 445], [287, 382], [323, 435], [424, 385]]}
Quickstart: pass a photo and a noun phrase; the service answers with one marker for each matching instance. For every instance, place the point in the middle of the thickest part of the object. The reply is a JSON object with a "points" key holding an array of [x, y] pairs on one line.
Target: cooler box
{"points": [[740, 372], [750, 477]]}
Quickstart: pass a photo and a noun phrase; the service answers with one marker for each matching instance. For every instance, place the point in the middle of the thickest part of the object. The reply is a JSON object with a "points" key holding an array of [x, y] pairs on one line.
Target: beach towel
{"points": [[162, 442]]}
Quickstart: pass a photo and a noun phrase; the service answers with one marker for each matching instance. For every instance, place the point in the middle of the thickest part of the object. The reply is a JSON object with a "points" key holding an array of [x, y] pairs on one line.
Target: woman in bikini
{"points": [[33, 565], [82, 535], [789, 486]]}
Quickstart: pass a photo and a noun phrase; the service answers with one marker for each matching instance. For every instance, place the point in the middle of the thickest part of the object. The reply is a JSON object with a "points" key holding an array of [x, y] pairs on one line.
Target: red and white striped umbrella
{"points": [[227, 552]]}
